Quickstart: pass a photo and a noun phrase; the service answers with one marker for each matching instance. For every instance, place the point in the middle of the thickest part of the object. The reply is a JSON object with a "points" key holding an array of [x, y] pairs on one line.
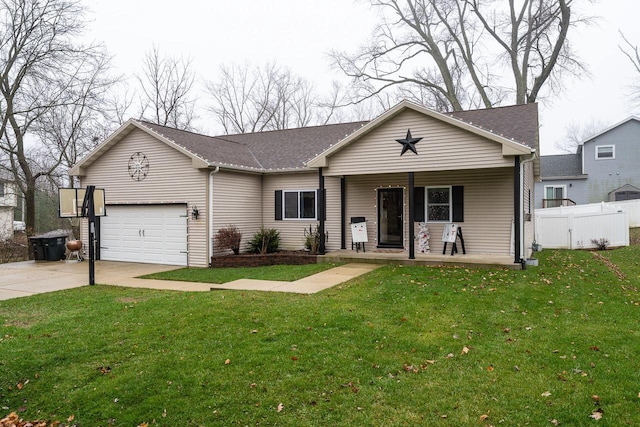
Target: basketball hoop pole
{"points": [[88, 210]]}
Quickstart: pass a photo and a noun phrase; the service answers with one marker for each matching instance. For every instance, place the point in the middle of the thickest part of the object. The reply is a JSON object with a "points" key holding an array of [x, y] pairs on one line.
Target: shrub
{"points": [[601, 244], [229, 238], [265, 241], [312, 239]]}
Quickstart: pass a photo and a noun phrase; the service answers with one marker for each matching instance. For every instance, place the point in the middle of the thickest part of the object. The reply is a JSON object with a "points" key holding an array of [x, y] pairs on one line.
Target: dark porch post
{"points": [[516, 209], [322, 211], [343, 212], [412, 254]]}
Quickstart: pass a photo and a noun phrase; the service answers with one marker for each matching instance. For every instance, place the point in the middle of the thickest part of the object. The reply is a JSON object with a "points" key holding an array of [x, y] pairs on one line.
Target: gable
{"points": [[111, 170], [444, 146], [131, 126], [610, 132]]}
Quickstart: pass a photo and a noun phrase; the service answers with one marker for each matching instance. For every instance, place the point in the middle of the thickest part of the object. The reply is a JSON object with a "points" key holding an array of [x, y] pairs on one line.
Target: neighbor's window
{"points": [[555, 192], [605, 152], [1, 189], [299, 204], [439, 204]]}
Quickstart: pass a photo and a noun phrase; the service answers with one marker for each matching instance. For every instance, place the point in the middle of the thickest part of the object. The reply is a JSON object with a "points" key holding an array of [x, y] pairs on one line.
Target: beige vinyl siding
{"points": [[529, 203], [332, 223], [488, 206], [291, 230], [237, 200], [443, 147], [171, 179]]}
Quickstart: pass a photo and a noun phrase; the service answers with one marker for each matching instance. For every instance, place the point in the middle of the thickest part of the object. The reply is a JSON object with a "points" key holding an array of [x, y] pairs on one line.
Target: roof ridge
{"points": [[146, 122], [293, 129], [492, 108]]}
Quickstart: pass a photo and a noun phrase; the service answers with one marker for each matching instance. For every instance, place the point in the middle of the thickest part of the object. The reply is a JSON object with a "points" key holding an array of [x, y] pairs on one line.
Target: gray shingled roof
{"points": [[516, 122], [292, 148], [569, 165], [212, 149]]}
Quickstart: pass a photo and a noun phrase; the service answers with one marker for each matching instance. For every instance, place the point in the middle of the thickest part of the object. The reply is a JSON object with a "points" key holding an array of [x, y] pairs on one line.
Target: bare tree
{"points": [[166, 85], [42, 69], [577, 133], [457, 54], [248, 99], [633, 54], [69, 131]]}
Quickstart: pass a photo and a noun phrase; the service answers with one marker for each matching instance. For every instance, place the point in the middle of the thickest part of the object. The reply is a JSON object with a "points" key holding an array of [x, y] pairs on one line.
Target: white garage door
{"points": [[155, 234]]}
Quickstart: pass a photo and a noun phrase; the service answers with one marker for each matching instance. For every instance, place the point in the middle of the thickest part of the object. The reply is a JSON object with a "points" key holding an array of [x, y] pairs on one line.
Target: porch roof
{"points": [[520, 128]]}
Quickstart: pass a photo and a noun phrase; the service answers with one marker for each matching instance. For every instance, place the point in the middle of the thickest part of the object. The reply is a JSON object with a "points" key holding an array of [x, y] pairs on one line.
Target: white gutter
{"points": [[521, 201], [210, 211]]}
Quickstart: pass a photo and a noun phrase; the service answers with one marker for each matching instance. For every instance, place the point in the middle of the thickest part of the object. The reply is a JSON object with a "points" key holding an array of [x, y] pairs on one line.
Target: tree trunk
{"points": [[30, 201]]}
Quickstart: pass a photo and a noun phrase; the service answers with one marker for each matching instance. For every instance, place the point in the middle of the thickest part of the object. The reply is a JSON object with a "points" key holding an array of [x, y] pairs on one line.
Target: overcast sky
{"points": [[299, 34]]}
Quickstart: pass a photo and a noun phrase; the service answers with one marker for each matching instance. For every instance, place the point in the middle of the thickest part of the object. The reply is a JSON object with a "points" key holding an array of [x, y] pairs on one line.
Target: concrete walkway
{"points": [[307, 285], [30, 277]]}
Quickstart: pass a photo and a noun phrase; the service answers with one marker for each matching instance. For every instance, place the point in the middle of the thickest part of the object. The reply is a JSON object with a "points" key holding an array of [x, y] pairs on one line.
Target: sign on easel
{"points": [[450, 233], [359, 232]]}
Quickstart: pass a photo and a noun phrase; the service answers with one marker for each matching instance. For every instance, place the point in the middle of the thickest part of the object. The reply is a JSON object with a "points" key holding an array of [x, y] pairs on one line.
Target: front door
{"points": [[390, 218]]}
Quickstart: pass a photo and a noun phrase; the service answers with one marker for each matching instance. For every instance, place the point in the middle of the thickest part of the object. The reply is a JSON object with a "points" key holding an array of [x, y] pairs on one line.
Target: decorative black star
{"points": [[409, 143]]}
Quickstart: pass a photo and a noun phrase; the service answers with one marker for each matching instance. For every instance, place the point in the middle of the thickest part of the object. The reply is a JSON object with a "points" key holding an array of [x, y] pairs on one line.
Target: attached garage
{"points": [[154, 234]]}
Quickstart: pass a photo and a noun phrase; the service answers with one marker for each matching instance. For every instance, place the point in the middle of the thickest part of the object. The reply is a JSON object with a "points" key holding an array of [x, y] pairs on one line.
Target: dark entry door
{"points": [[390, 217]]}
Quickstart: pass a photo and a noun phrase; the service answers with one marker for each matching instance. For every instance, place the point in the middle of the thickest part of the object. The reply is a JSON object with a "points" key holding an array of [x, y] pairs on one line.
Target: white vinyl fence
{"points": [[576, 227]]}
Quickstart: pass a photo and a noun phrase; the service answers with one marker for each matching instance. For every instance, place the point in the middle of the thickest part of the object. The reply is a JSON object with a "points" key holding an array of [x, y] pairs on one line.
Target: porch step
{"points": [[430, 259]]}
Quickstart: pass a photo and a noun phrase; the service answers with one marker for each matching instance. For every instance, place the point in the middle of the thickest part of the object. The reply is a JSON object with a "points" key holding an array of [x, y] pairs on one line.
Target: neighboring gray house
{"points": [[604, 168]]}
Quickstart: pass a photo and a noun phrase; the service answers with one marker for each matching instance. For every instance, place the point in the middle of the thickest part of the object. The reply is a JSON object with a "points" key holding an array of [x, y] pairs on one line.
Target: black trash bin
{"points": [[50, 246], [37, 248]]}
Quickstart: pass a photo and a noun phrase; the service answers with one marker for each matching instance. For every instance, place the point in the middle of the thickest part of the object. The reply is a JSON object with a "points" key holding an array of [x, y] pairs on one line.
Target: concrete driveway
{"points": [[26, 278]]}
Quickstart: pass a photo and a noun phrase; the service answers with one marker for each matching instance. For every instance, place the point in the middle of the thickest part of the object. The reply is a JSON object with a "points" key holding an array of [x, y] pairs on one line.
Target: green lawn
{"points": [[287, 273], [398, 346]]}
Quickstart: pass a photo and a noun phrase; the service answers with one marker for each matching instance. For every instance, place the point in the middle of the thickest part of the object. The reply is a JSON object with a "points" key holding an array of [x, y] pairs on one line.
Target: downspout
{"points": [[521, 202], [210, 209]]}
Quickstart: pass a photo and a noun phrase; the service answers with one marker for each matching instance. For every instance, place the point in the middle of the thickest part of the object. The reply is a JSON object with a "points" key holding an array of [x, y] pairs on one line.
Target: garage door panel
{"points": [[153, 234]]}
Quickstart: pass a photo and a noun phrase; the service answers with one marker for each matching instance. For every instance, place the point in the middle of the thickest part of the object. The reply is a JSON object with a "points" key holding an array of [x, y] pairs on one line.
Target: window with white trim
{"points": [[605, 152], [555, 191], [438, 203], [299, 204]]}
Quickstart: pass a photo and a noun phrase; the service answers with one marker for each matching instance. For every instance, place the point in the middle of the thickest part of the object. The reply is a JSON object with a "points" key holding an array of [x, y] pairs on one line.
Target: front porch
{"points": [[385, 256]]}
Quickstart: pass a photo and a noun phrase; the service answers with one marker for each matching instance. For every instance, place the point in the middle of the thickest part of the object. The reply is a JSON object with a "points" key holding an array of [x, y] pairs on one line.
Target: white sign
{"points": [[450, 233], [359, 232]]}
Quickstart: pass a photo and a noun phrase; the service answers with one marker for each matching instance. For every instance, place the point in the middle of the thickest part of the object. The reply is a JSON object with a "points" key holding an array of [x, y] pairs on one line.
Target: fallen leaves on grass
{"points": [[597, 414], [610, 265], [13, 420], [351, 386]]}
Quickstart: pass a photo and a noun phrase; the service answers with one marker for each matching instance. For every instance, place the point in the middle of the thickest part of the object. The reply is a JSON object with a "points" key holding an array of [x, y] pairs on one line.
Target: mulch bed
{"points": [[259, 260]]}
